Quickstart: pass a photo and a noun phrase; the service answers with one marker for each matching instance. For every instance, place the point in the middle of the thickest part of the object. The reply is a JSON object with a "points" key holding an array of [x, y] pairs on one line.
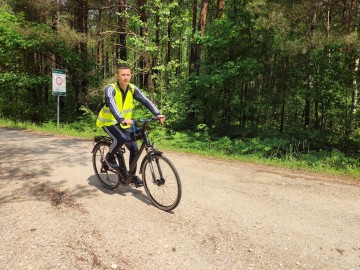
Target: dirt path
{"points": [[55, 215]]}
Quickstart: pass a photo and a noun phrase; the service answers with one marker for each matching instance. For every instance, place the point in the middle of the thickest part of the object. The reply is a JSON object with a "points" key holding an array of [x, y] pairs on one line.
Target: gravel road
{"points": [[55, 215]]}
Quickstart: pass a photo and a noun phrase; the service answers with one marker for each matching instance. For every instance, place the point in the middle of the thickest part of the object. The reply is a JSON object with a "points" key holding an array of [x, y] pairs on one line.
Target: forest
{"points": [[273, 77]]}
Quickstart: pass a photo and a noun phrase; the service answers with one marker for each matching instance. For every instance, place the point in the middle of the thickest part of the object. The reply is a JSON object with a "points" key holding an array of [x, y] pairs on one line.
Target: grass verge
{"points": [[224, 149]]}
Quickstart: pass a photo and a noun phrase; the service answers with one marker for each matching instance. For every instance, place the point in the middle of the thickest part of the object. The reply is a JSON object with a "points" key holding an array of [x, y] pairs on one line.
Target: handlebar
{"points": [[143, 121], [146, 120]]}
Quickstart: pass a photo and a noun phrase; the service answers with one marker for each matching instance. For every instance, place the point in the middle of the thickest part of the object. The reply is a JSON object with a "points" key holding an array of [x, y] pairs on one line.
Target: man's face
{"points": [[123, 76]]}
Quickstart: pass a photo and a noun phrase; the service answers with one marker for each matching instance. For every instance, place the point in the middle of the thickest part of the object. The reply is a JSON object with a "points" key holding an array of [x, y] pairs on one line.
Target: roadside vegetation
{"points": [[282, 152], [275, 82]]}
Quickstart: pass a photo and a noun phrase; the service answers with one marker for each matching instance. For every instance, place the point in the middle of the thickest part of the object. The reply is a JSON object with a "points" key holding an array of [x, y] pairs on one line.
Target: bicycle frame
{"points": [[135, 161], [146, 144]]}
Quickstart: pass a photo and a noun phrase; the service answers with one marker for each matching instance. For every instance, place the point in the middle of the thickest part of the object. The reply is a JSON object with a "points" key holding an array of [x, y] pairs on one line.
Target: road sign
{"points": [[58, 82], [58, 88]]}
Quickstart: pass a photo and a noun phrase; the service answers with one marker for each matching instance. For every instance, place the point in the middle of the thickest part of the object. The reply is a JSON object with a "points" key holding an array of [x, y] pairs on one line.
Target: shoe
{"points": [[110, 161], [137, 181]]}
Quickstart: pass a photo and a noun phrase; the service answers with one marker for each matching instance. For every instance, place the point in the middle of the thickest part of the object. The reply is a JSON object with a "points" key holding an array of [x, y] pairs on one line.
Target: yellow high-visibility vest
{"points": [[106, 118]]}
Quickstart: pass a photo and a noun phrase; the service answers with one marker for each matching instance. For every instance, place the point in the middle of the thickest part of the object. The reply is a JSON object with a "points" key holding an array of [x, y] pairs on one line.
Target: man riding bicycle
{"points": [[115, 117]]}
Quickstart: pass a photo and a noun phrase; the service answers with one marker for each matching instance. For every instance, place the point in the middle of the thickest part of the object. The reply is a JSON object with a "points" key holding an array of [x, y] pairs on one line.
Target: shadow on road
{"points": [[122, 190], [29, 162], [31, 188]]}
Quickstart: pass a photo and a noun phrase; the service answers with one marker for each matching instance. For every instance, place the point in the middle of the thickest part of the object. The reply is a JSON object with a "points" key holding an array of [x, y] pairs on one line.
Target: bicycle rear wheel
{"points": [[107, 176], [161, 182]]}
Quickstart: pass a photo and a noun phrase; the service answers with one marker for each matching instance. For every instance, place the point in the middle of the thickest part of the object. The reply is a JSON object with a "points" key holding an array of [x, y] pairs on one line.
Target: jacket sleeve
{"points": [[111, 103], [139, 96]]}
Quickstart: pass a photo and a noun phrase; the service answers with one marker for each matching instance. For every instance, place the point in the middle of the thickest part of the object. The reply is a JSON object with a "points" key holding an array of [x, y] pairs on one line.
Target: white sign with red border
{"points": [[58, 82]]}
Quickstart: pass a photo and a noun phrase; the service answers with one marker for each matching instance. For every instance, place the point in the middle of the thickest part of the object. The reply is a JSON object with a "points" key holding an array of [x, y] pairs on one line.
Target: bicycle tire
{"points": [[107, 176], [164, 192]]}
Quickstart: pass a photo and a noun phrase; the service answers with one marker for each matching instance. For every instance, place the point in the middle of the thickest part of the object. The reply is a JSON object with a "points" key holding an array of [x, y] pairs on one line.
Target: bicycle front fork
{"points": [[158, 181]]}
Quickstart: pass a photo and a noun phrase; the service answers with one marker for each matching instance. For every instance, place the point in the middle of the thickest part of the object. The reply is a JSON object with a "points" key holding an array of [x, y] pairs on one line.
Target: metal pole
{"points": [[58, 111]]}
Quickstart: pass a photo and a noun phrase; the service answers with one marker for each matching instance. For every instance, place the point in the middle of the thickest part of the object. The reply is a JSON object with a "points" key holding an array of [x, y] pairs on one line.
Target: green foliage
{"points": [[291, 153], [84, 122], [271, 83], [354, 143], [202, 132], [172, 94], [25, 80]]}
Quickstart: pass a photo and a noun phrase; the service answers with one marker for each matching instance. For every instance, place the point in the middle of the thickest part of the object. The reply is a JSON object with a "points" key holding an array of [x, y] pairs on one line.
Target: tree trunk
{"points": [[99, 47], [243, 115], [284, 92], [308, 101], [194, 66], [122, 52], [192, 63], [203, 14], [309, 76], [348, 21], [168, 54], [143, 76], [201, 29], [354, 98], [150, 83], [227, 101], [155, 58], [80, 13], [193, 46], [345, 14], [328, 20], [219, 10]]}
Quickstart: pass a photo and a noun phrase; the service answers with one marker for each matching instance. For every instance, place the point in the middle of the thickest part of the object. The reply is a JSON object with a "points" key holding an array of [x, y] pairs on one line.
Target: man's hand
{"points": [[161, 118], [127, 122]]}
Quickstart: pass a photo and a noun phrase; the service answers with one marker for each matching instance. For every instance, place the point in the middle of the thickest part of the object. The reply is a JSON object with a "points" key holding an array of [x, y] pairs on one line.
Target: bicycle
{"points": [[161, 179]]}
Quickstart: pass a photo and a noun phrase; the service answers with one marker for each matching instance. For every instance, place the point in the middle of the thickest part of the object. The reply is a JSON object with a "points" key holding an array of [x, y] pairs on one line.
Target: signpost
{"points": [[58, 88]]}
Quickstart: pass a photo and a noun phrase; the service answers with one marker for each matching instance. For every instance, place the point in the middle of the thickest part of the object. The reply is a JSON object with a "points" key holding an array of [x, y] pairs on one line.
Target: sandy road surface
{"points": [[54, 214]]}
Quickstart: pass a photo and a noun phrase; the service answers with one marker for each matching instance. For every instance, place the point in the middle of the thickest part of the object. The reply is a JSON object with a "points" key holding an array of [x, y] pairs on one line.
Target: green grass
{"points": [[268, 152], [273, 152], [51, 127]]}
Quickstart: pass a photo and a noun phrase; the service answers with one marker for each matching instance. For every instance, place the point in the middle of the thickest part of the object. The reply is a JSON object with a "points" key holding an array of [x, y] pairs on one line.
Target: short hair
{"points": [[122, 66]]}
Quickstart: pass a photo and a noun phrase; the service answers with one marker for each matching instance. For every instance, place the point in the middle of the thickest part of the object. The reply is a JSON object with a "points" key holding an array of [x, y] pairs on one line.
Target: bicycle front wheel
{"points": [[161, 182], [107, 176]]}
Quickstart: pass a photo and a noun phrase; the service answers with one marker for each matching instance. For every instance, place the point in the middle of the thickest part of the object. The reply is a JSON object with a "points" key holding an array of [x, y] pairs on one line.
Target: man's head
{"points": [[123, 74]]}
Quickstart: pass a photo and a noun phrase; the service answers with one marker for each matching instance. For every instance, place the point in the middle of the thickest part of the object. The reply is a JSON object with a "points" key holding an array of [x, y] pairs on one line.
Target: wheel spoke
{"points": [[107, 176], [165, 189]]}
